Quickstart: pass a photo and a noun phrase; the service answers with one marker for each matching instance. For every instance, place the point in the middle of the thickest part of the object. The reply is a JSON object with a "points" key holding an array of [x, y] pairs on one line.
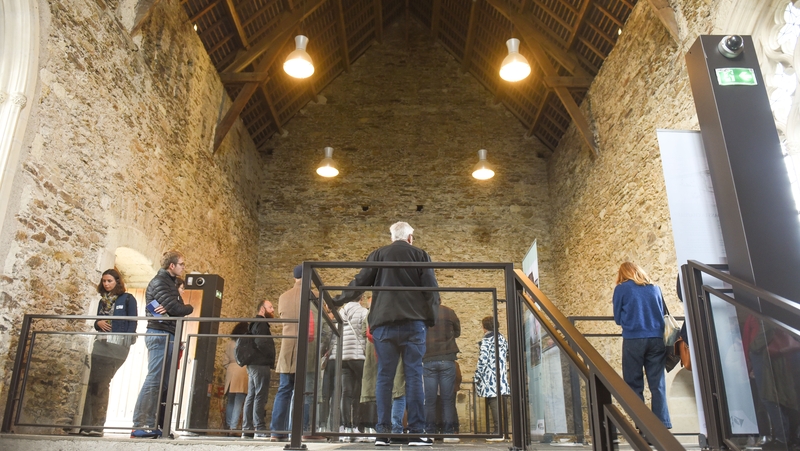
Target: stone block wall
{"points": [[118, 153], [406, 125]]}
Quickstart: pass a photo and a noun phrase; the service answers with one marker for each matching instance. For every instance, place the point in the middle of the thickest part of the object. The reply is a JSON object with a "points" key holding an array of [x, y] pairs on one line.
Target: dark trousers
{"points": [[352, 370], [107, 358]]}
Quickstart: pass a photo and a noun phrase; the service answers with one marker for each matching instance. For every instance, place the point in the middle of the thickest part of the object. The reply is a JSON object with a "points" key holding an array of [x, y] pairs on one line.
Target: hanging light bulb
{"points": [[515, 67], [482, 170], [327, 168], [298, 64]]}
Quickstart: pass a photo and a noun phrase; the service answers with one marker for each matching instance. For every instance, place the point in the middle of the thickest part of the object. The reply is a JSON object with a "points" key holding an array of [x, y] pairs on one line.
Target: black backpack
{"points": [[246, 351]]}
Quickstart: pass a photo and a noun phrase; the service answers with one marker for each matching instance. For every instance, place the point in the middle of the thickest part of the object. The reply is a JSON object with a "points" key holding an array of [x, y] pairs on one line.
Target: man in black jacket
{"points": [[258, 375], [160, 338], [398, 321]]}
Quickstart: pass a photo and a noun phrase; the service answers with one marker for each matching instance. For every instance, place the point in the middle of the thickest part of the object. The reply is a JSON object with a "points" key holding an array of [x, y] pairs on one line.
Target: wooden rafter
{"points": [[470, 42], [609, 15], [378, 6], [539, 112], [203, 11], [436, 17], [568, 82], [232, 114], [288, 21], [666, 15], [566, 58], [554, 15], [248, 90], [143, 10], [276, 119], [243, 77], [578, 22], [528, 32], [237, 23], [343, 36]]}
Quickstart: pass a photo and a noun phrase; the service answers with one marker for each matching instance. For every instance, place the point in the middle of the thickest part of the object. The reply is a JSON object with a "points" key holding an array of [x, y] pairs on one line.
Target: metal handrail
{"points": [[604, 381], [767, 306]]}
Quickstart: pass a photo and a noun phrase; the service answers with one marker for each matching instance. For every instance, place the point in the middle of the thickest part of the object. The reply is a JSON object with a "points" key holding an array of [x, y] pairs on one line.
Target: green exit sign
{"points": [[732, 76]]}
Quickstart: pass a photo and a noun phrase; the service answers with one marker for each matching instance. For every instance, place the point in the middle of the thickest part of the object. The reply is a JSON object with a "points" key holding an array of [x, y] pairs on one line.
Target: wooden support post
{"points": [[472, 25]]}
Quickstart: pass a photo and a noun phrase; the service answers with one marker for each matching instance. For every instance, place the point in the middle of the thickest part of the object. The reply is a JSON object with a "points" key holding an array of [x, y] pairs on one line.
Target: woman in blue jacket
{"points": [[639, 309], [110, 349]]}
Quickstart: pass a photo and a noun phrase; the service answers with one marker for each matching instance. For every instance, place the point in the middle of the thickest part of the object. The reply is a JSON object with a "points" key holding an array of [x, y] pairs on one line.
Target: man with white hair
{"points": [[398, 321]]}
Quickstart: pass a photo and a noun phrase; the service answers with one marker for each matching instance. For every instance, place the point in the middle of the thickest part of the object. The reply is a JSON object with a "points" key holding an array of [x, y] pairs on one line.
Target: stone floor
{"points": [[14, 442]]}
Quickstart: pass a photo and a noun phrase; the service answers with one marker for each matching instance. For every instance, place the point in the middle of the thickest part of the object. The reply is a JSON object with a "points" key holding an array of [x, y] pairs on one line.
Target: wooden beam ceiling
{"points": [[288, 21], [529, 35]]}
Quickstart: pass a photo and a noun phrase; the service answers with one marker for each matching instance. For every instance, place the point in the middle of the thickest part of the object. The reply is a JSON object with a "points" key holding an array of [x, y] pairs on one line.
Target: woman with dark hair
{"points": [[486, 383], [110, 349], [639, 309]]}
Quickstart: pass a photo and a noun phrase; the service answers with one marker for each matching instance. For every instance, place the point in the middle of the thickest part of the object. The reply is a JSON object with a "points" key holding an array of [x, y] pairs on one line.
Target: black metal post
{"points": [[514, 319], [173, 377], [296, 440], [11, 393], [599, 398], [757, 212]]}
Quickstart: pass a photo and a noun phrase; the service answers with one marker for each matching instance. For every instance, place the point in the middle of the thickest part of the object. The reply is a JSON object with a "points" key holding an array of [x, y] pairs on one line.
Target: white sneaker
{"points": [[495, 439], [422, 441], [451, 440], [343, 430]]}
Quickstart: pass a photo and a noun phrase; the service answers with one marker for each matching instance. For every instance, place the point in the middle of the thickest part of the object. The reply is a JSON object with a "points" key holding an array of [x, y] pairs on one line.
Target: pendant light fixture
{"points": [[298, 64], [327, 168], [515, 67], [482, 170]]}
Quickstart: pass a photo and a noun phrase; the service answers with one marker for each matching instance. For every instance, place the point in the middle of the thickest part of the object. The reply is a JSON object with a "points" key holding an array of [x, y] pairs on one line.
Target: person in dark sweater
{"points": [[258, 375], [159, 341], [439, 372], [398, 321], [639, 309]]}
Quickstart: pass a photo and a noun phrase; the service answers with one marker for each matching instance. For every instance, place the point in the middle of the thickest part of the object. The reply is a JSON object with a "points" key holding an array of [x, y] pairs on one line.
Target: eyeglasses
{"points": [[181, 264]]}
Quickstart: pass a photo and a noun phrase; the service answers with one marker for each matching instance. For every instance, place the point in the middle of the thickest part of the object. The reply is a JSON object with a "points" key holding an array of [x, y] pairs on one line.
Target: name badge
{"points": [[120, 307]]}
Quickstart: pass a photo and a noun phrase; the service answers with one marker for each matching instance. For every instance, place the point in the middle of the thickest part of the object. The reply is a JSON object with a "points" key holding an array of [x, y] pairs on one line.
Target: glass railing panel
{"points": [[55, 382], [555, 390], [326, 381], [760, 366]]}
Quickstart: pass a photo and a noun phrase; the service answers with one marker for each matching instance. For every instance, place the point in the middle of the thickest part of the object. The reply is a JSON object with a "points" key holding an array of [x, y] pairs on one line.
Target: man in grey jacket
{"points": [[398, 322]]}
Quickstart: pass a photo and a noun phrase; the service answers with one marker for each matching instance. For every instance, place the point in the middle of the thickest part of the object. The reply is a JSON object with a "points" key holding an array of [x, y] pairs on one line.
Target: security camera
{"points": [[731, 46], [200, 282]]}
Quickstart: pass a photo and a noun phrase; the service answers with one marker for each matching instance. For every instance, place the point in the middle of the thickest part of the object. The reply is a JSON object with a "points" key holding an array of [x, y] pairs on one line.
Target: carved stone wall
{"points": [[118, 153]]}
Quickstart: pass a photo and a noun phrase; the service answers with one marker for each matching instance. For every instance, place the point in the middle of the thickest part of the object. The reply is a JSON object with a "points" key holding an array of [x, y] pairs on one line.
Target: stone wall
{"points": [[406, 126], [614, 208], [118, 153]]}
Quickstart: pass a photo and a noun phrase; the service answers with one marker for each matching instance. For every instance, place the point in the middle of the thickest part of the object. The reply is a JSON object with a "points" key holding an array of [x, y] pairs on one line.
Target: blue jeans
{"points": [[282, 406], [159, 350], [256, 401], [440, 379], [233, 409], [398, 409], [392, 341], [648, 354]]}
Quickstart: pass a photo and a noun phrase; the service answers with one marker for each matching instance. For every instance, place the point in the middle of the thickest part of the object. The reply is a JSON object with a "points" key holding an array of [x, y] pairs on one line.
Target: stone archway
{"points": [[19, 59]]}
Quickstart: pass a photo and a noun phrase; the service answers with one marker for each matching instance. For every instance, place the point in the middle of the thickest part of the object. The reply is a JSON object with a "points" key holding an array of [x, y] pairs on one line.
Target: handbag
{"points": [[671, 328], [682, 349], [672, 358]]}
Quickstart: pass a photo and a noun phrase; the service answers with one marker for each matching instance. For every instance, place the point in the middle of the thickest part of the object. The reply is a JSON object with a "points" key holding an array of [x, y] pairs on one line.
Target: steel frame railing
{"points": [[777, 310]]}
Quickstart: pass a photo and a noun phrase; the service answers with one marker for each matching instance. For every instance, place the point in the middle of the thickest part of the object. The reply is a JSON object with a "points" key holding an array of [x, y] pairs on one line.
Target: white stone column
{"points": [[19, 58]]}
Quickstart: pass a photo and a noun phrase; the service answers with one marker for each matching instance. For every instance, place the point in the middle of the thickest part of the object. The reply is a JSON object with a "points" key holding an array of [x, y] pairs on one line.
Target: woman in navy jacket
{"points": [[639, 309], [110, 349]]}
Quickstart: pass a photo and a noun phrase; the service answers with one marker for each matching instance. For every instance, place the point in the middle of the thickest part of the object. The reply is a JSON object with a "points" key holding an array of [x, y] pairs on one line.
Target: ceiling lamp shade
{"points": [[515, 67], [298, 64], [327, 168], [483, 170]]}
